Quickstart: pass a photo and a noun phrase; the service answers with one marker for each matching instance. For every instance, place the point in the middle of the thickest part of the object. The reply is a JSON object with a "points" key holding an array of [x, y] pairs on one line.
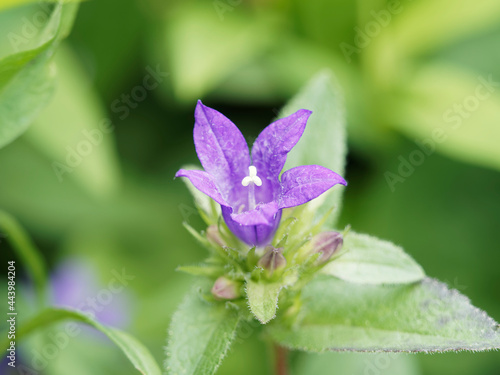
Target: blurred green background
{"points": [[405, 67]]}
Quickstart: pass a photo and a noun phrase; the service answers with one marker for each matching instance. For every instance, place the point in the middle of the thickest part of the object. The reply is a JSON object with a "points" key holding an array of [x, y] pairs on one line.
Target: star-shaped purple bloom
{"points": [[249, 189]]}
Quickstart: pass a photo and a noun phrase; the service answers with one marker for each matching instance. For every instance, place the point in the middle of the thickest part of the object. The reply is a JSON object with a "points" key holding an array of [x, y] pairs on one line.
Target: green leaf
{"points": [[74, 126], [263, 299], [452, 111], [200, 335], [423, 317], [26, 78], [369, 260], [26, 250], [324, 140], [407, 36], [243, 41], [136, 352], [12, 3]]}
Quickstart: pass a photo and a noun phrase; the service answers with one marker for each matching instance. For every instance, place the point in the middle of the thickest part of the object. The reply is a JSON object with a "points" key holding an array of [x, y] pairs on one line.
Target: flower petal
{"points": [[254, 235], [301, 184], [275, 142], [222, 150], [263, 214], [204, 183]]}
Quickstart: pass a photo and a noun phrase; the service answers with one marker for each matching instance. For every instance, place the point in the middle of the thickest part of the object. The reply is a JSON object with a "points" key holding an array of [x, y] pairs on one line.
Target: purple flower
{"points": [[249, 189], [74, 285]]}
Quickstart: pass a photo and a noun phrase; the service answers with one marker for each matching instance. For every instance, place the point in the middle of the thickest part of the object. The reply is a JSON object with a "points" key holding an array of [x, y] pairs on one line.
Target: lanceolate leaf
{"points": [[26, 78], [423, 317], [263, 299], [369, 260], [324, 140], [200, 335], [136, 352]]}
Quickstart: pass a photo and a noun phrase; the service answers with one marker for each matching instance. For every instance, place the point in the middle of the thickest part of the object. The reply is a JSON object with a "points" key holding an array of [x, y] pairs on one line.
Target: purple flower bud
{"points": [[326, 243], [273, 260], [225, 288], [213, 235]]}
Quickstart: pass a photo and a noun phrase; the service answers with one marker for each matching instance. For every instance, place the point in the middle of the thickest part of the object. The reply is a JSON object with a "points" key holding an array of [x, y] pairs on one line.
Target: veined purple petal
{"points": [[222, 150], [204, 183], [271, 147], [253, 235], [263, 214], [302, 184]]}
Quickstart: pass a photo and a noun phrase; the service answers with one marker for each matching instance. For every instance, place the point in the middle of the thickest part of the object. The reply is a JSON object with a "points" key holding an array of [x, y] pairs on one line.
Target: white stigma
{"points": [[252, 177]]}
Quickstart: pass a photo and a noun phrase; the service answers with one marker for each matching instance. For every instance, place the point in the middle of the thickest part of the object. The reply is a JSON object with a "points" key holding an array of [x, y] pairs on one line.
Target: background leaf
{"points": [[324, 141], [369, 260], [241, 43], [12, 3], [26, 84], [444, 23], [137, 353], [423, 317], [200, 335], [457, 103], [73, 119]]}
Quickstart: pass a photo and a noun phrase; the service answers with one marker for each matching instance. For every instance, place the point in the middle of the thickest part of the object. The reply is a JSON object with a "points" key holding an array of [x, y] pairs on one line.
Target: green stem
{"points": [[27, 252], [281, 360]]}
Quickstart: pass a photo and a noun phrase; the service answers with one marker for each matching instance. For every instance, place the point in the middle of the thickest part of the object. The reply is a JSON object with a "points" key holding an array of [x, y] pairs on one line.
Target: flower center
{"points": [[252, 177], [251, 180]]}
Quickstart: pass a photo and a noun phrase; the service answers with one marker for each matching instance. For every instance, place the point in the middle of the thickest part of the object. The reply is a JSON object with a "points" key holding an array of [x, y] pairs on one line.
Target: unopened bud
{"points": [[225, 288], [213, 235], [273, 260], [326, 243]]}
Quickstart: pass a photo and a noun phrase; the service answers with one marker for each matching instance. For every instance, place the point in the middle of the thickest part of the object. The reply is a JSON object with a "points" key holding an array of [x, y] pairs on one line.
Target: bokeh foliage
{"points": [[120, 207]]}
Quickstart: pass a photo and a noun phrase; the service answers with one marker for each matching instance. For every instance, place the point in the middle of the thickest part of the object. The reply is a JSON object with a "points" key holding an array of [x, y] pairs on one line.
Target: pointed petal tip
{"points": [[180, 173], [204, 182], [199, 107], [305, 112], [301, 113]]}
